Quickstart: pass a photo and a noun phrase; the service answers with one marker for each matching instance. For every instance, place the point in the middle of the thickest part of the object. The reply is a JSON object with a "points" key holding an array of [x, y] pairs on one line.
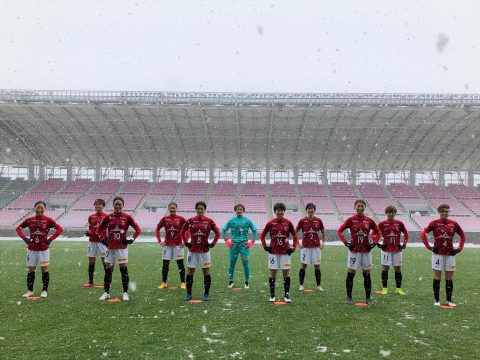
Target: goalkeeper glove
{"points": [[228, 243], [249, 244]]}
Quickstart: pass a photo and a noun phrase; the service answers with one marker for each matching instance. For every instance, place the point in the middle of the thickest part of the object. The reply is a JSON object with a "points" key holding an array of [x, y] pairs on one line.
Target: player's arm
{"points": [[423, 236], [405, 236], [292, 231], [216, 230], [254, 230], [137, 228], [225, 229], [57, 227], [463, 238], [88, 233], [376, 233], [322, 238], [184, 234], [157, 231], [102, 228], [21, 233], [340, 231]]}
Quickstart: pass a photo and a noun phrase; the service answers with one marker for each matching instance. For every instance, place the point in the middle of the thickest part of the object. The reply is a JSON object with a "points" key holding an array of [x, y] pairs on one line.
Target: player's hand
{"points": [[381, 246], [188, 245], [350, 246], [290, 251], [26, 240], [163, 243], [249, 244], [370, 246], [454, 252], [87, 234], [105, 242], [127, 242], [209, 246], [435, 250], [228, 242], [321, 245], [48, 241], [268, 249], [402, 247]]}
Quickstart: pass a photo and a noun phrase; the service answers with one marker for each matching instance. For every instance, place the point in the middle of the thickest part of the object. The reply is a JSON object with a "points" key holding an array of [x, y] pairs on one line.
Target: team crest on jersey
{"points": [[37, 232], [172, 229], [199, 233]]}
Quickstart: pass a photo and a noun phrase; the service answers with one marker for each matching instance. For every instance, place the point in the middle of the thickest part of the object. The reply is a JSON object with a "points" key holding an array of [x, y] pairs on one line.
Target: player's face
{"points": [[118, 206], [444, 213], [391, 215], [360, 208], [172, 209], [98, 207], [239, 211], [200, 210], [279, 213], [39, 209], [311, 212]]}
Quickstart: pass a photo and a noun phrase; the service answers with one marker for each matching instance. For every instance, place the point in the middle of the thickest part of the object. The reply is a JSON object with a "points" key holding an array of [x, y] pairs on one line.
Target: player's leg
{"points": [[385, 269], [398, 280], [245, 256], [233, 255], [271, 282], [166, 256], [107, 280], [286, 284], [449, 287], [303, 267], [437, 277], [32, 259], [191, 264], [125, 279], [316, 257], [44, 261], [367, 284], [352, 267], [181, 271], [207, 282]]}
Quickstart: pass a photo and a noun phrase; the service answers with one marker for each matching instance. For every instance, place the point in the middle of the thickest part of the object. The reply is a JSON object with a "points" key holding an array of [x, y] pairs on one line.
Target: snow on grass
{"points": [[132, 285], [385, 353], [204, 329], [321, 349]]}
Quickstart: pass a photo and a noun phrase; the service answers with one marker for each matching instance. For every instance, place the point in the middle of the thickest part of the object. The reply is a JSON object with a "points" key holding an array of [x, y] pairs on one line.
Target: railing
{"points": [[214, 98]]}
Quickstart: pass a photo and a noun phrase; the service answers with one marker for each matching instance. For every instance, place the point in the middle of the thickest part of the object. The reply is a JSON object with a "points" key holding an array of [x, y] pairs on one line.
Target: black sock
{"points": [[181, 270], [367, 283], [166, 264], [45, 280], [301, 276], [107, 279], [189, 284], [207, 282], [125, 278], [436, 290], [385, 278], [318, 276], [91, 270], [398, 279], [449, 289], [271, 282], [30, 280], [286, 286], [349, 283]]}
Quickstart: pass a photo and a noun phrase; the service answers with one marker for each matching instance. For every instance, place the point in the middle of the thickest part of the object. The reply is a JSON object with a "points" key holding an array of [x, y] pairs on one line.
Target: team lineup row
{"points": [[108, 240]]}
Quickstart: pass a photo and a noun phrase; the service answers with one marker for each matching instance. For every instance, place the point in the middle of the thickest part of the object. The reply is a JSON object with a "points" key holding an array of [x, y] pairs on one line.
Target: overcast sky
{"points": [[258, 46]]}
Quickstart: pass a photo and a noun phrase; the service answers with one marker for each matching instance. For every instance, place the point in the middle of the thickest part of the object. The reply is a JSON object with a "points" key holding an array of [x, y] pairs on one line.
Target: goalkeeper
{"points": [[238, 226]]}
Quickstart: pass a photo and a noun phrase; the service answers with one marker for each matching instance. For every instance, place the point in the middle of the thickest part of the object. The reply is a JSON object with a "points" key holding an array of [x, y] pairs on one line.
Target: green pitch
{"points": [[157, 324]]}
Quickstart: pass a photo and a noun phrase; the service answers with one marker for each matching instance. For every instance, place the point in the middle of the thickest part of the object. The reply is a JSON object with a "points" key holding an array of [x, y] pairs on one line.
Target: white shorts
{"points": [[443, 262], [391, 258], [310, 256], [359, 260], [119, 256], [199, 260], [96, 249], [41, 258], [173, 253], [279, 262]]}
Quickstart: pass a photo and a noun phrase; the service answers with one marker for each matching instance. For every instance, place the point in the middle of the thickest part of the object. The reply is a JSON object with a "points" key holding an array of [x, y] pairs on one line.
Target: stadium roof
{"points": [[230, 130]]}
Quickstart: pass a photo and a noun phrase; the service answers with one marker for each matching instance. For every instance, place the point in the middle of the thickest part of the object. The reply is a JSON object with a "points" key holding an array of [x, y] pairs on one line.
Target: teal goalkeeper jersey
{"points": [[239, 226]]}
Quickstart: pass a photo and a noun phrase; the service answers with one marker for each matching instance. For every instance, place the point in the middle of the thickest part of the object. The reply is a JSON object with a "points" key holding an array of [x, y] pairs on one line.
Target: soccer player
{"points": [[239, 226], [38, 243], [391, 255], [173, 244], [279, 249], [199, 248], [117, 224], [443, 253], [311, 246], [359, 255], [95, 246]]}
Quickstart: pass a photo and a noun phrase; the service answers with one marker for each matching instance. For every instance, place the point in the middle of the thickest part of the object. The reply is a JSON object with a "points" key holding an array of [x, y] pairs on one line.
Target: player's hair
{"points": [[200, 203], [172, 203], [360, 201], [443, 207], [118, 198], [280, 206], [390, 208], [40, 202], [310, 206], [99, 201], [239, 205]]}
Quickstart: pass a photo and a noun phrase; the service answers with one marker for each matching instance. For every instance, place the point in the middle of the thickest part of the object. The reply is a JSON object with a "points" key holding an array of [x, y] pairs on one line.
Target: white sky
{"points": [[258, 46]]}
